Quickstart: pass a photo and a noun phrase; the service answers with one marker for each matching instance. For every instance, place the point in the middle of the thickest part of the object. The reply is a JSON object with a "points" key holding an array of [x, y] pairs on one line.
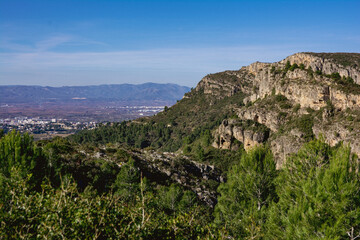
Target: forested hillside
{"points": [[50, 190], [269, 151], [283, 104]]}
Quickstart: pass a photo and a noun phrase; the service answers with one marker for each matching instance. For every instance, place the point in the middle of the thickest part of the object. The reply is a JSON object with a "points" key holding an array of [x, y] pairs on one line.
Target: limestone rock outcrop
{"points": [[225, 84], [325, 65], [307, 81], [335, 131], [247, 134]]}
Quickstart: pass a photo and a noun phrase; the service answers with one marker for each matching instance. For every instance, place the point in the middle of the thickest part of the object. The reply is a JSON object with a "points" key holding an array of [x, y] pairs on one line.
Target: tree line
{"points": [[46, 192]]}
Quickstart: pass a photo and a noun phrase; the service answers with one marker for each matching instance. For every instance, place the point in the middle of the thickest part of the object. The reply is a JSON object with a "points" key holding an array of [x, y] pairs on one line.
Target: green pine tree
{"points": [[127, 181], [247, 193], [318, 195]]}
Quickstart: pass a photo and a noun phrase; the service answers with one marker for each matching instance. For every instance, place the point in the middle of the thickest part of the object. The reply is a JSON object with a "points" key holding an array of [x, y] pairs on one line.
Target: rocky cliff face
{"points": [[302, 86], [248, 133], [226, 84], [327, 64], [314, 88]]}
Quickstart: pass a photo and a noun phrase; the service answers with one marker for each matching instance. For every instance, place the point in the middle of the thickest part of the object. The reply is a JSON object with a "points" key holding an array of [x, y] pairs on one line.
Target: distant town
{"points": [[46, 112], [42, 127]]}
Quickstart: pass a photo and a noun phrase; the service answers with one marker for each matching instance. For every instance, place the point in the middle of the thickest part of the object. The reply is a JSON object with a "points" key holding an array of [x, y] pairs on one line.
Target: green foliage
{"points": [[346, 84], [274, 101], [293, 67], [310, 72], [126, 185], [200, 153], [296, 108], [304, 123], [350, 118], [272, 69], [221, 158], [318, 195], [330, 106], [64, 159], [273, 91], [135, 210], [280, 98], [122, 155], [223, 77], [191, 117], [70, 214], [282, 115], [287, 66], [18, 151], [335, 76], [283, 101], [187, 149], [173, 199], [247, 193]]}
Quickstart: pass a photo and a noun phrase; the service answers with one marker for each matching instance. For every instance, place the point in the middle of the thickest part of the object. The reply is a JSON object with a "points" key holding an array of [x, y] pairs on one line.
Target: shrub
{"points": [[287, 66], [293, 67], [282, 115], [296, 108], [318, 72], [335, 76], [272, 69], [280, 98]]}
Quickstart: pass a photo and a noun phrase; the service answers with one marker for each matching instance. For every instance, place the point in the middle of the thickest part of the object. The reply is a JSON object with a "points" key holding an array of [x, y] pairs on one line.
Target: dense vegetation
{"points": [[117, 182], [169, 130], [316, 195], [58, 203]]}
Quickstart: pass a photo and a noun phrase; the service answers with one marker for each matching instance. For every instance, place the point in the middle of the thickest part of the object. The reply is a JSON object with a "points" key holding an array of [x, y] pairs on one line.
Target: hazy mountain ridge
{"points": [[114, 92]]}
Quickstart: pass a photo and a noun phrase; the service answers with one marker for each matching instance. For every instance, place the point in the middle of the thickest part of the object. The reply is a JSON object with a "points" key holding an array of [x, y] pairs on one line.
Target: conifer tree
{"points": [[18, 151], [127, 181], [247, 193], [318, 195]]}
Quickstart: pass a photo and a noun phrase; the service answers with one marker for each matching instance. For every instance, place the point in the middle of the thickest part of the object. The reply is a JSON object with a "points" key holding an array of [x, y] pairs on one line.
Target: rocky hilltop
{"points": [[282, 105], [288, 102]]}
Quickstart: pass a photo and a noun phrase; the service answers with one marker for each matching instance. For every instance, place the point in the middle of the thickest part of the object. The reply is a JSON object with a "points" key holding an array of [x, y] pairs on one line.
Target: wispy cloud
{"points": [[200, 58], [45, 45], [161, 65], [184, 66], [52, 42]]}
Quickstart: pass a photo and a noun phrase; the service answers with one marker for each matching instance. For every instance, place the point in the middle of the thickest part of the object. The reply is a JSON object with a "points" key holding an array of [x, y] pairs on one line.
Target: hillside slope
{"points": [[282, 104]]}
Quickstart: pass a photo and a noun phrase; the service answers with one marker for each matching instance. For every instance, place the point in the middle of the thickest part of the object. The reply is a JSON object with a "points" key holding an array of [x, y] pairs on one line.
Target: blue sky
{"points": [[61, 42]]}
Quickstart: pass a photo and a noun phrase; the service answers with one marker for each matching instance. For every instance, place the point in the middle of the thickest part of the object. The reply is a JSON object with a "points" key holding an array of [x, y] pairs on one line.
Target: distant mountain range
{"points": [[114, 92]]}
